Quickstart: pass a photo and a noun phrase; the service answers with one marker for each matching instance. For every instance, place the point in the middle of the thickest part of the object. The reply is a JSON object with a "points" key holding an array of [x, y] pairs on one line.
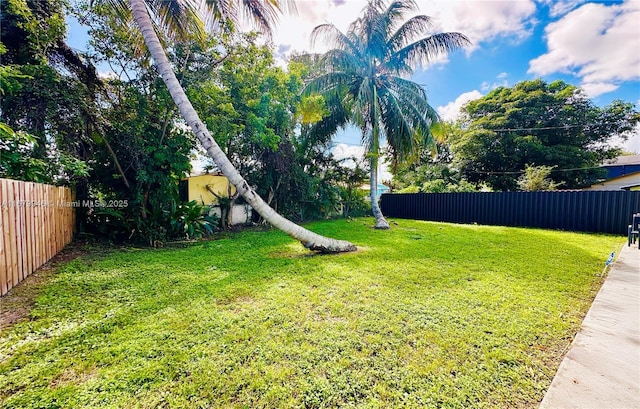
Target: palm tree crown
{"points": [[184, 19], [366, 73]]}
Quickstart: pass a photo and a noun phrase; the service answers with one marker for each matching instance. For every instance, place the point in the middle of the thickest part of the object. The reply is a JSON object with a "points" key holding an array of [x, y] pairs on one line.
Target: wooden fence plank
{"points": [[50, 221], [26, 210], [59, 220], [7, 190], [37, 222], [42, 234], [17, 274], [24, 242], [4, 227], [20, 229], [13, 237], [31, 226]]}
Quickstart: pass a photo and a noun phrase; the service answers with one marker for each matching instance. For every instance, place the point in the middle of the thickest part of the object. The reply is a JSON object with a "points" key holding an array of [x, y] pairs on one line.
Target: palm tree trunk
{"points": [[309, 239], [381, 222]]}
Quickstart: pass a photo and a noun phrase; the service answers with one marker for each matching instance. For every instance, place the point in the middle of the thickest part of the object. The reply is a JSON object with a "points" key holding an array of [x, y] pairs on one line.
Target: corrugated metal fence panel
{"points": [[588, 211]]}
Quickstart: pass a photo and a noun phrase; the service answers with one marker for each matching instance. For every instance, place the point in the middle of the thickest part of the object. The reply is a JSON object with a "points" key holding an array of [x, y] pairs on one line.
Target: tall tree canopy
{"points": [[365, 75], [47, 94], [538, 124], [141, 14], [259, 118]]}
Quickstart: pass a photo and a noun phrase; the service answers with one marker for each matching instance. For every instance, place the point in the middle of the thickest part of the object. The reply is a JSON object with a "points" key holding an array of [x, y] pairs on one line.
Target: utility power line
{"points": [[542, 128], [522, 171]]}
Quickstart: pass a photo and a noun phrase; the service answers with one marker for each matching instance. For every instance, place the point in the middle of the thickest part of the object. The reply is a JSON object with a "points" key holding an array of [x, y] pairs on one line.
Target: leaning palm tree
{"points": [[184, 16], [366, 73]]}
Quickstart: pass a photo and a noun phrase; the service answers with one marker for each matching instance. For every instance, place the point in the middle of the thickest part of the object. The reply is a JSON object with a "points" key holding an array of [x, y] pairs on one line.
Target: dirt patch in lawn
{"points": [[17, 303]]}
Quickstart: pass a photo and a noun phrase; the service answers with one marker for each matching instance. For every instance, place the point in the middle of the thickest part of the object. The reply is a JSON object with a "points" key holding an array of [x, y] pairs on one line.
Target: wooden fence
{"points": [[36, 222]]}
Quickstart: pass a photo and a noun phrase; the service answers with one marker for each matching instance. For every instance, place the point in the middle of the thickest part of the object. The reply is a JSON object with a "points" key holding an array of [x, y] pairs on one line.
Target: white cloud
{"points": [[561, 7], [451, 111], [107, 75], [480, 20], [632, 144], [598, 43], [593, 89], [294, 31], [344, 151], [483, 21], [501, 81]]}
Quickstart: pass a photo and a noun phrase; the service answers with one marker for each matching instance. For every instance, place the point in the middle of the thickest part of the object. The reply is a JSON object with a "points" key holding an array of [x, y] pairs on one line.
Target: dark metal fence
{"points": [[587, 211]]}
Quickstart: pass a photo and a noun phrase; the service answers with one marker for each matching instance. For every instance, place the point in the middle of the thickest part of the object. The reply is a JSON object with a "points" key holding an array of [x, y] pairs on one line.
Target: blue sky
{"points": [[591, 44]]}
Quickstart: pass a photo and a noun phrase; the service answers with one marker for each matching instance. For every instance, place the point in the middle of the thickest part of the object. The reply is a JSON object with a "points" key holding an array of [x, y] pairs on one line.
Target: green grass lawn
{"points": [[423, 315]]}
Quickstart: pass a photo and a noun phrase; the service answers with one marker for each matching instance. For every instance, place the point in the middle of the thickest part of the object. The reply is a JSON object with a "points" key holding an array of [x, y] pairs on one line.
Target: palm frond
{"points": [[403, 136], [329, 83], [407, 116], [413, 93], [395, 14], [338, 118], [371, 28], [173, 19], [427, 49], [408, 31], [121, 7], [219, 12], [344, 61], [177, 18], [330, 35], [264, 14], [398, 130], [261, 14]]}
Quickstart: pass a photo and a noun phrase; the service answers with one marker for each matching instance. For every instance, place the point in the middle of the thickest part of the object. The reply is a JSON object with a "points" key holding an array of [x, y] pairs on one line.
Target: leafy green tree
{"points": [[32, 31], [153, 157], [19, 161], [538, 124], [353, 198], [429, 173], [364, 76], [536, 178], [48, 94], [182, 17], [16, 157], [263, 125], [140, 150]]}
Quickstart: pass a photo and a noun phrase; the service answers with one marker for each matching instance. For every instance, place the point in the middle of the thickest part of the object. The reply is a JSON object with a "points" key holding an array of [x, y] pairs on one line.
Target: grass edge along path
{"points": [[424, 315]]}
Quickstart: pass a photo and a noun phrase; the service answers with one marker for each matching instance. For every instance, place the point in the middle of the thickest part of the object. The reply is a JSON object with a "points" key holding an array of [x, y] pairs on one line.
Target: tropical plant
{"points": [[191, 221], [182, 17], [365, 74], [537, 178]]}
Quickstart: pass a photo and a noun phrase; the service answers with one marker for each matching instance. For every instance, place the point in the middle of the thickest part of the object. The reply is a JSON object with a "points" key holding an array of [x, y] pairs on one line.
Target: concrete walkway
{"points": [[602, 368]]}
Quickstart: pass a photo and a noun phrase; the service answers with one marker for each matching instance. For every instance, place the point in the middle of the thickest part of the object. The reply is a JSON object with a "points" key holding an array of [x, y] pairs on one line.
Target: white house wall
{"points": [[619, 183]]}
